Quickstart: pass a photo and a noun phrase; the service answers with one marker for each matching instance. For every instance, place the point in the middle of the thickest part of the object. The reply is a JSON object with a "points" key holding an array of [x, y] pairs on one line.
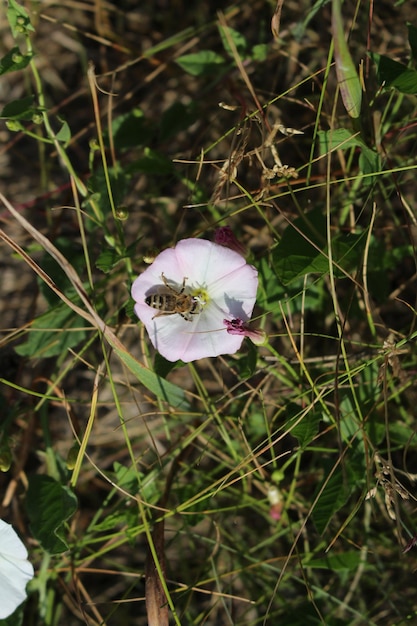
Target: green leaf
{"points": [[341, 139], [260, 52], [309, 13], [271, 290], [118, 178], [300, 250], [369, 163], [348, 561], [53, 333], [14, 60], [75, 256], [246, 365], [303, 249], [153, 163], [18, 18], [334, 495], [131, 480], [162, 366], [22, 109], [126, 477], [125, 517], [227, 33], [337, 139], [347, 252], [132, 130], [49, 505], [307, 428], [293, 298], [355, 411], [107, 260], [344, 139], [64, 133], [201, 63], [390, 73], [347, 76], [255, 423]]}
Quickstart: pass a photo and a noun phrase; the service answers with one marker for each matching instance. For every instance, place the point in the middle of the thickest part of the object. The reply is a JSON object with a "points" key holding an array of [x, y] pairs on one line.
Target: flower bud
{"points": [[224, 236]]}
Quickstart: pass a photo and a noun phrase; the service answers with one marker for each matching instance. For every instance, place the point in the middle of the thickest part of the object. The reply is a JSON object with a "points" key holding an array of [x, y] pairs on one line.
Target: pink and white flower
{"points": [[220, 284], [15, 570]]}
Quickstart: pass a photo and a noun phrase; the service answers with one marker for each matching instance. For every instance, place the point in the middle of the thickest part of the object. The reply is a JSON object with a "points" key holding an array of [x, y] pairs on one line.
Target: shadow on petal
{"points": [[235, 308]]}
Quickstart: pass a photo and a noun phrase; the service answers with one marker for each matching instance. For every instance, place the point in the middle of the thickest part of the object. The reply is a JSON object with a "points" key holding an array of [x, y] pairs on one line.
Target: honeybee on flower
{"points": [[171, 301], [204, 283]]}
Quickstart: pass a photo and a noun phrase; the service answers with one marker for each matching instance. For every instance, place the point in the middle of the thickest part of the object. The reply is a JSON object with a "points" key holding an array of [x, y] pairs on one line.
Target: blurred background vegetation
{"points": [[273, 486]]}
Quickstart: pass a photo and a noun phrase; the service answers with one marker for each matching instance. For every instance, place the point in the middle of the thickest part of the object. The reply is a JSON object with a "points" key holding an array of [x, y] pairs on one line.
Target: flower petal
{"points": [[235, 293], [204, 262], [15, 570], [166, 262]]}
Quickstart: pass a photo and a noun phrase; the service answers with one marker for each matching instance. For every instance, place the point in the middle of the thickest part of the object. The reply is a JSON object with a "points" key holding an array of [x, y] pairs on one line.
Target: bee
{"points": [[170, 301]]}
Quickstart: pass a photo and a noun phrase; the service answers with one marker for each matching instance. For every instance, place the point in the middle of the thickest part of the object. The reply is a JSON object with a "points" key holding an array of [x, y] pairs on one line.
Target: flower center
{"points": [[201, 296]]}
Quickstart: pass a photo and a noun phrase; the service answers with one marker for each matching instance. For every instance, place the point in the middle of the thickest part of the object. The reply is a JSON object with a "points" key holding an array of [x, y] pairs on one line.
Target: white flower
{"points": [[195, 286], [15, 570]]}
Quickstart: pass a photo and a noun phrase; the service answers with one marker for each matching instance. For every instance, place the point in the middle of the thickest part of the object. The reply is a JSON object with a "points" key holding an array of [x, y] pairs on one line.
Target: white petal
{"points": [[235, 294], [205, 262], [15, 570]]}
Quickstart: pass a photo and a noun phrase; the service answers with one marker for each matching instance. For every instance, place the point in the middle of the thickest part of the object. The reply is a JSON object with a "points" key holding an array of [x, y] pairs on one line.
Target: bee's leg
{"points": [[161, 313], [171, 288], [183, 284]]}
